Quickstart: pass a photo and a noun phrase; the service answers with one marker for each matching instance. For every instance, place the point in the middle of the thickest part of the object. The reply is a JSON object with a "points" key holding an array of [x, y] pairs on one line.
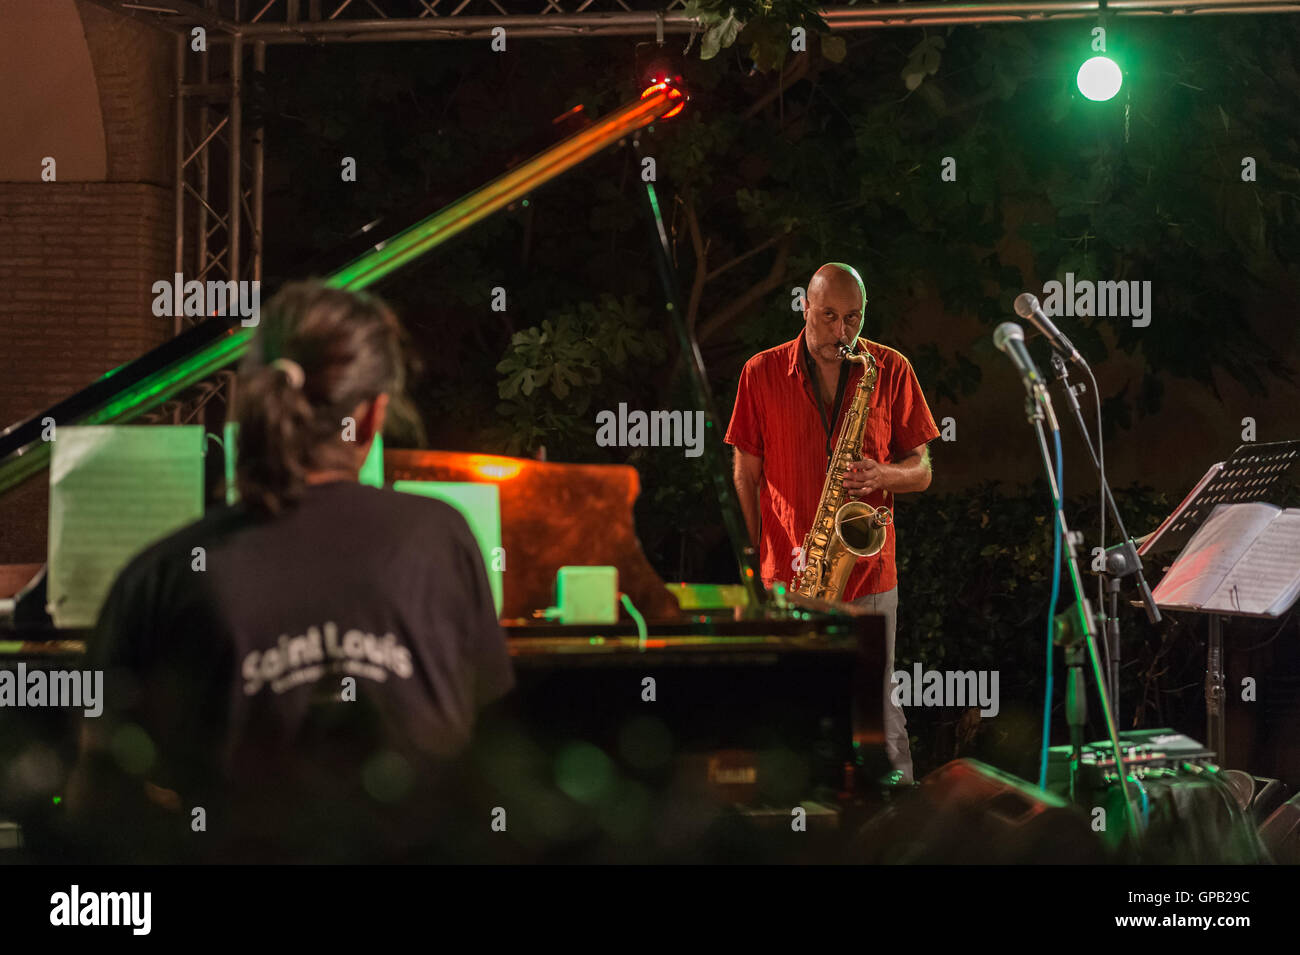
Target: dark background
{"points": [[770, 172]]}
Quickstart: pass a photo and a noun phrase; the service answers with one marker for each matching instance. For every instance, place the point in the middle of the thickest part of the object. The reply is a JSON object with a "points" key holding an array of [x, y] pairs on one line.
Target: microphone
{"points": [[1027, 307], [1010, 339]]}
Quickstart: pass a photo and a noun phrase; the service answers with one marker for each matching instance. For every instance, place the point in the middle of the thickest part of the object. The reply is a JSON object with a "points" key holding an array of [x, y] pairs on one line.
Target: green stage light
{"points": [[1100, 78]]}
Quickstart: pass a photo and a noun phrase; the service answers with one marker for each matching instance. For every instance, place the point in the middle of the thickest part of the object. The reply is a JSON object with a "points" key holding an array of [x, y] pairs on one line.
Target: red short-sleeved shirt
{"points": [[776, 419]]}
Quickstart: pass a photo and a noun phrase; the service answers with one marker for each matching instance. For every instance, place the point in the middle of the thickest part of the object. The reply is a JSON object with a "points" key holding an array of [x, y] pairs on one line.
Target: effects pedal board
{"points": [[1158, 752]]}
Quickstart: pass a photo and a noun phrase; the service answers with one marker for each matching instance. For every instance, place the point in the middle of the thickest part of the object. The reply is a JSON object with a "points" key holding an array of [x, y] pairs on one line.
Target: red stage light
{"points": [[673, 94]]}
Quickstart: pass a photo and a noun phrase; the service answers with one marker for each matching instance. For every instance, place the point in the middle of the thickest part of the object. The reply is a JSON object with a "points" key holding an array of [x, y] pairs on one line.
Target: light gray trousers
{"points": [[896, 746]]}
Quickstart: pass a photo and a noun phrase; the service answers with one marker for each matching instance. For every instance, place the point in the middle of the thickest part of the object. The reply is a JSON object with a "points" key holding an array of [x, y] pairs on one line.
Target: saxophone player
{"points": [[789, 407]]}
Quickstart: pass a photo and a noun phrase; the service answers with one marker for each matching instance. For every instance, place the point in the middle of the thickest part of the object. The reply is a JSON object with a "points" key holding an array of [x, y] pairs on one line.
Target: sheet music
{"points": [[114, 490], [1267, 579], [1211, 554]]}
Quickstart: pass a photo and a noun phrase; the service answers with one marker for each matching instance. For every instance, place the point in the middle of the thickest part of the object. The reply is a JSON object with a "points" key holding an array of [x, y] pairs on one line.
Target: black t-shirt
{"points": [[325, 657]]}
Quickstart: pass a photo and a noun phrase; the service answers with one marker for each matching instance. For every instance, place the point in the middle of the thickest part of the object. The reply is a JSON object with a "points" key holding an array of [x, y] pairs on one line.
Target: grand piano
{"points": [[760, 704]]}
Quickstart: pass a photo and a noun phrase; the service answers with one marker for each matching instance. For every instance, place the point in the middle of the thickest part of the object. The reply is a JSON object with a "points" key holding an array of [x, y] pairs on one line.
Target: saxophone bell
{"points": [[861, 527]]}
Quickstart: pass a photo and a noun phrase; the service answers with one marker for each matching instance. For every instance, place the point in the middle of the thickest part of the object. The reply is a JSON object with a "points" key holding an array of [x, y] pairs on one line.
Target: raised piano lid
{"points": [[552, 514]]}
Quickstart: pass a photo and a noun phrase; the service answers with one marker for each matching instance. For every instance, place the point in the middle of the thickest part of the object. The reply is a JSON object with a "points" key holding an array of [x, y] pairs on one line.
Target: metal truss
{"points": [[218, 183], [224, 227], [190, 406], [371, 21]]}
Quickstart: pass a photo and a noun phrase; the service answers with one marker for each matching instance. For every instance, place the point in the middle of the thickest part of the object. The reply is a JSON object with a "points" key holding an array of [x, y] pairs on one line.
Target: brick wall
{"points": [[76, 264]]}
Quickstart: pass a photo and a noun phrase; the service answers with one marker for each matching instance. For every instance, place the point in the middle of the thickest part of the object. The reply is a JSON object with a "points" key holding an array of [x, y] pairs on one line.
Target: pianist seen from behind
{"points": [[291, 678]]}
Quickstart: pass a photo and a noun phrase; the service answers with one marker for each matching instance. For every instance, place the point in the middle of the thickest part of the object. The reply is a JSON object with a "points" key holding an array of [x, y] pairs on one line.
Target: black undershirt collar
{"points": [[828, 423]]}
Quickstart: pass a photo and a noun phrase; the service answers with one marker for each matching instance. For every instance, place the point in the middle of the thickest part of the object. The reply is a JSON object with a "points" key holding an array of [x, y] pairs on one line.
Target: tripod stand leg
{"points": [[1215, 692], [1112, 644], [1076, 712]]}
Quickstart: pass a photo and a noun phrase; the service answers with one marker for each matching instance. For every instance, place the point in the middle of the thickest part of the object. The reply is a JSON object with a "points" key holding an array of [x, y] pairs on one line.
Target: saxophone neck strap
{"points": [[828, 421]]}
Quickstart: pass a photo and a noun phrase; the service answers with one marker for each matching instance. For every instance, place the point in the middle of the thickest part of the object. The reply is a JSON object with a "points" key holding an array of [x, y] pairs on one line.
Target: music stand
{"points": [[1251, 474]]}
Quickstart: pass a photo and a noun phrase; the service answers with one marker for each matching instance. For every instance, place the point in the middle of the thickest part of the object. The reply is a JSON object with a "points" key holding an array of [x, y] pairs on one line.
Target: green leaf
{"points": [[834, 48], [768, 53], [922, 61], [719, 37]]}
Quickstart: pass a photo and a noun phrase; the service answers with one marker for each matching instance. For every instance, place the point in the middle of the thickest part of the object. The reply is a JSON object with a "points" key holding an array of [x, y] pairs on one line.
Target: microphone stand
{"points": [[1038, 407], [1122, 560]]}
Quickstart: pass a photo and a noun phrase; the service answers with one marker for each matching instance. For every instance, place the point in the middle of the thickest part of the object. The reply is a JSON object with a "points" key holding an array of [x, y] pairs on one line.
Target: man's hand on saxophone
{"points": [[911, 472]]}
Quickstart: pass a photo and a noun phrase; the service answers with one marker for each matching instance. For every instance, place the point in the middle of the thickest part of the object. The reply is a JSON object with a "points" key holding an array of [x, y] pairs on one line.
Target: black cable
{"points": [[1277, 633]]}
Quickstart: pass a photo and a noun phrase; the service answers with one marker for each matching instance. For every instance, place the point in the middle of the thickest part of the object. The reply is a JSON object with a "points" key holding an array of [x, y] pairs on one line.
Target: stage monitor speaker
{"points": [[1280, 833], [967, 812]]}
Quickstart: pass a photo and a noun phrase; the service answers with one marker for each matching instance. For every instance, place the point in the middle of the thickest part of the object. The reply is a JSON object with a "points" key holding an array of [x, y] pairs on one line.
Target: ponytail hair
{"points": [[318, 353]]}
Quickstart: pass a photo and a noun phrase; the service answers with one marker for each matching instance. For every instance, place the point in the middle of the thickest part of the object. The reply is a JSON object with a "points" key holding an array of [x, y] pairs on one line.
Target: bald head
{"points": [[836, 278], [833, 310]]}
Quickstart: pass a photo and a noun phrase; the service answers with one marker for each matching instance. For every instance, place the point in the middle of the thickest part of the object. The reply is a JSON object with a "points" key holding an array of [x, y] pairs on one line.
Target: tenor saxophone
{"points": [[843, 530]]}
